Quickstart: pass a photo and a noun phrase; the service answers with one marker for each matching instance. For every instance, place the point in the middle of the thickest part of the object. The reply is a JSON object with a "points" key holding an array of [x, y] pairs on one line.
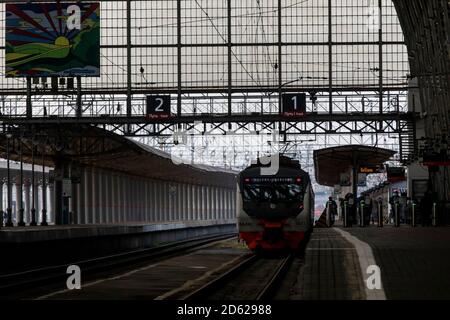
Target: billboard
{"points": [[52, 39]]}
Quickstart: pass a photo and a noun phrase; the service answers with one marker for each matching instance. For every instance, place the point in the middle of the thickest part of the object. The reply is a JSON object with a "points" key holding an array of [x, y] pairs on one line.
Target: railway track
{"points": [[32, 280], [255, 278]]}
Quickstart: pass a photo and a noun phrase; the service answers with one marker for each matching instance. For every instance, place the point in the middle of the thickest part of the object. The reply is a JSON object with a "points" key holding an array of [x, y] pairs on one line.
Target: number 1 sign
{"points": [[294, 104]]}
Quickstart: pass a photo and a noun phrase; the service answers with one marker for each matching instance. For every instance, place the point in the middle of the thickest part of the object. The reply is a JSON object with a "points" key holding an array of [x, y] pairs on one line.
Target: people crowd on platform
{"points": [[394, 205]]}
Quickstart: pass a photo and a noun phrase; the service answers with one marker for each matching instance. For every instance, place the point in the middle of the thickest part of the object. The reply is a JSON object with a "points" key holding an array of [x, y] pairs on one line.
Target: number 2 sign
{"points": [[158, 107]]}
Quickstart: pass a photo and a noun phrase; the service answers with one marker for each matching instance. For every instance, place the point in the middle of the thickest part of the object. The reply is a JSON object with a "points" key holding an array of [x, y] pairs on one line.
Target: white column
{"points": [[167, 200], [143, 209], [114, 199], [189, 204], [18, 204], [108, 196], [27, 191], [51, 202], [203, 210], [167, 208], [200, 213], [133, 198], [209, 210], [137, 197], [121, 216], [126, 200], [193, 197], [229, 210], [225, 203], [157, 200], [163, 195], [158, 210], [106, 190], [213, 203], [100, 201], [181, 201], [129, 201], [147, 200], [37, 197], [218, 203]]}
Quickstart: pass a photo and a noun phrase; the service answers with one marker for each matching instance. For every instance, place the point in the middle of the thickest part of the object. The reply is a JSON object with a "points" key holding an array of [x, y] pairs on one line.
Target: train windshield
{"points": [[273, 192]]}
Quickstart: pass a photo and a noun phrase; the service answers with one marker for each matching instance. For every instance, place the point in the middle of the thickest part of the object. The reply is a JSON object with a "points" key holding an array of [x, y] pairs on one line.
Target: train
{"points": [[274, 211]]}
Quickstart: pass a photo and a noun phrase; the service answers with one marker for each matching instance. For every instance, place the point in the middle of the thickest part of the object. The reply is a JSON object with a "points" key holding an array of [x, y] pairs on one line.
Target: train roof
{"points": [[284, 161]]}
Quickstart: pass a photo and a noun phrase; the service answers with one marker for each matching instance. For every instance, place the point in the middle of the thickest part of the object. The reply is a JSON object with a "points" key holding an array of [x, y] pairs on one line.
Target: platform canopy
{"points": [[99, 148], [331, 162]]}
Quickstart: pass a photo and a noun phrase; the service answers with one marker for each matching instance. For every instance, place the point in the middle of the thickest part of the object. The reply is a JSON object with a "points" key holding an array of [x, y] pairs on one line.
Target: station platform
{"points": [[25, 247], [414, 262]]}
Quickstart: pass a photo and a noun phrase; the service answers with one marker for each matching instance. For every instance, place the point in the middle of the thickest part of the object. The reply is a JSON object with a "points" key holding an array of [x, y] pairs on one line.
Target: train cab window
{"points": [[272, 192]]}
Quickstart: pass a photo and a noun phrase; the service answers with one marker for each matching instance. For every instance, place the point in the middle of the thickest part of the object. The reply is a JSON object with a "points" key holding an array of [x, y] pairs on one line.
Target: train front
{"points": [[274, 212]]}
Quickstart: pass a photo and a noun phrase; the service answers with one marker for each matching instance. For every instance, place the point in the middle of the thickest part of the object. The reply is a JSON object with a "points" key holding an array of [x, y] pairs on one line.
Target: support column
{"points": [[157, 187], [209, 211], [204, 202], [100, 201], [95, 196], [88, 195], [147, 200], [107, 196], [125, 214], [189, 202], [123, 199], [81, 201], [27, 214], [166, 194], [119, 199], [16, 213], [33, 187], [9, 222], [142, 202], [19, 191], [168, 198], [1, 202], [215, 203], [222, 203], [200, 214], [44, 191], [51, 203], [73, 203], [38, 204], [181, 201], [128, 201], [114, 198]]}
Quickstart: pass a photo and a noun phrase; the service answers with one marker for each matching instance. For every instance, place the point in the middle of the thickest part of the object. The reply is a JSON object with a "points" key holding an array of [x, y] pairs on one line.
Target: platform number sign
{"points": [[294, 104], [158, 107]]}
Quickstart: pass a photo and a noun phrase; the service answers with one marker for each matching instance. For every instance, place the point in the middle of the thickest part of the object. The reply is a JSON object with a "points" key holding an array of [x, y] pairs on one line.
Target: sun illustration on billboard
{"points": [[52, 39]]}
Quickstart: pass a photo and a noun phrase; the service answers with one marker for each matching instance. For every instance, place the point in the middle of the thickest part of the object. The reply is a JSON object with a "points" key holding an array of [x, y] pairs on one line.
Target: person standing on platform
{"points": [[426, 208], [333, 210], [402, 207]]}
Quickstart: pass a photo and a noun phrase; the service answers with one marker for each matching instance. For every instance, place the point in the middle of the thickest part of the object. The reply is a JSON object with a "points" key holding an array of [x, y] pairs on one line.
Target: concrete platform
{"points": [[414, 262], [52, 232], [29, 247], [330, 270]]}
